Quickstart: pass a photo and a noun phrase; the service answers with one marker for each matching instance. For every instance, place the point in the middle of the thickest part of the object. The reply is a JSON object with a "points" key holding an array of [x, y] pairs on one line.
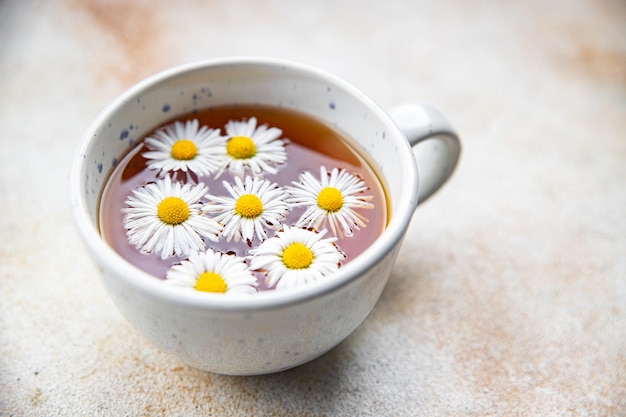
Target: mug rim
{"points": [[106, 257]]}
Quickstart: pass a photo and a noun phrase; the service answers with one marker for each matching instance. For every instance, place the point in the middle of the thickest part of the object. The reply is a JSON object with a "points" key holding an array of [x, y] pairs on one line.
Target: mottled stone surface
{"points": [[509, 296]]}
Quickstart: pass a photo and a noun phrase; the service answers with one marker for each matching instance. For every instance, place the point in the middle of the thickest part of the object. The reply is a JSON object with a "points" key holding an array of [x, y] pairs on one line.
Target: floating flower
{"points": [[166, 217], [296, 257], [251, 148], [332, 200], [185, 147], [253, 206], [215, 272]]}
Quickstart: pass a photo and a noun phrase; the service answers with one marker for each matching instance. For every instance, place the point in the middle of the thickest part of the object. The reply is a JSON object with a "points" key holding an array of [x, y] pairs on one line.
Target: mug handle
{"points": [[435, 144]]}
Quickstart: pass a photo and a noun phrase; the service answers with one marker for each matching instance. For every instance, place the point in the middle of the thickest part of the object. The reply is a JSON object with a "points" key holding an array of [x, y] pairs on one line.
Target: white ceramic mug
{"points": [[273, 330]]}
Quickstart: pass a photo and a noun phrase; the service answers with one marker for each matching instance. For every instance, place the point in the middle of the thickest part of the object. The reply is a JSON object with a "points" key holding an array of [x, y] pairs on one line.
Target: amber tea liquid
{"points": [[311, 144]]}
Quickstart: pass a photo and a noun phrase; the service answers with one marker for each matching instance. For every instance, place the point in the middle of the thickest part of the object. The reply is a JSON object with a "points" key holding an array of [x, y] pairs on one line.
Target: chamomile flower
{"points": [[331, 201], [296, 257], [215, 272], [165, 217], [185, 147], [254, 205], [251, 148]]}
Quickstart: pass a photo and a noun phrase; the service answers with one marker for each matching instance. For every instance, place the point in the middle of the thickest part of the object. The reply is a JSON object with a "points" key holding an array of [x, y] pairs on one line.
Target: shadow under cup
{"points": [[274, 330]]}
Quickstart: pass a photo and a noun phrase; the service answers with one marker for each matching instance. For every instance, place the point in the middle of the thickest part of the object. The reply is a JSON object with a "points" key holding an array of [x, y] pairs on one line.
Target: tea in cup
{"points": [[245, 213]]}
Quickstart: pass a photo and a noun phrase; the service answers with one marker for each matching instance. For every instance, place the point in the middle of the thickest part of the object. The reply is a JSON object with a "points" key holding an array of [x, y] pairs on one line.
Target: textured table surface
{"points": [[509, 295]]}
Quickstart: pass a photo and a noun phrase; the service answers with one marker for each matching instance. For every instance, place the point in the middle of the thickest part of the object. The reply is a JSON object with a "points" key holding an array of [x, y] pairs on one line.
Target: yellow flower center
{"points": [[241, 147], [210, 282], [330, 199], [184, 150], [172, 211], [297, 256], [248, 206]]}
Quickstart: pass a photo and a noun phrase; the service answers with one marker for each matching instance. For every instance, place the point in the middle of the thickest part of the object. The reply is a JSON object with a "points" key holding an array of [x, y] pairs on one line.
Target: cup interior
{"points": [[244, 81]]}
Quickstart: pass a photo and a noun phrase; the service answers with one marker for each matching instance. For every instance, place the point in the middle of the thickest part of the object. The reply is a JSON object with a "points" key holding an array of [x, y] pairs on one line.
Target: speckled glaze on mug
{"points": [[274, 330]]}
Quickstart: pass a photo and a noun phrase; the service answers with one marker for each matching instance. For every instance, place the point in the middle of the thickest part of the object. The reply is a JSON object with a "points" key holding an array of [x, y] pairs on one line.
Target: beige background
{"points": [[509, 296]]}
